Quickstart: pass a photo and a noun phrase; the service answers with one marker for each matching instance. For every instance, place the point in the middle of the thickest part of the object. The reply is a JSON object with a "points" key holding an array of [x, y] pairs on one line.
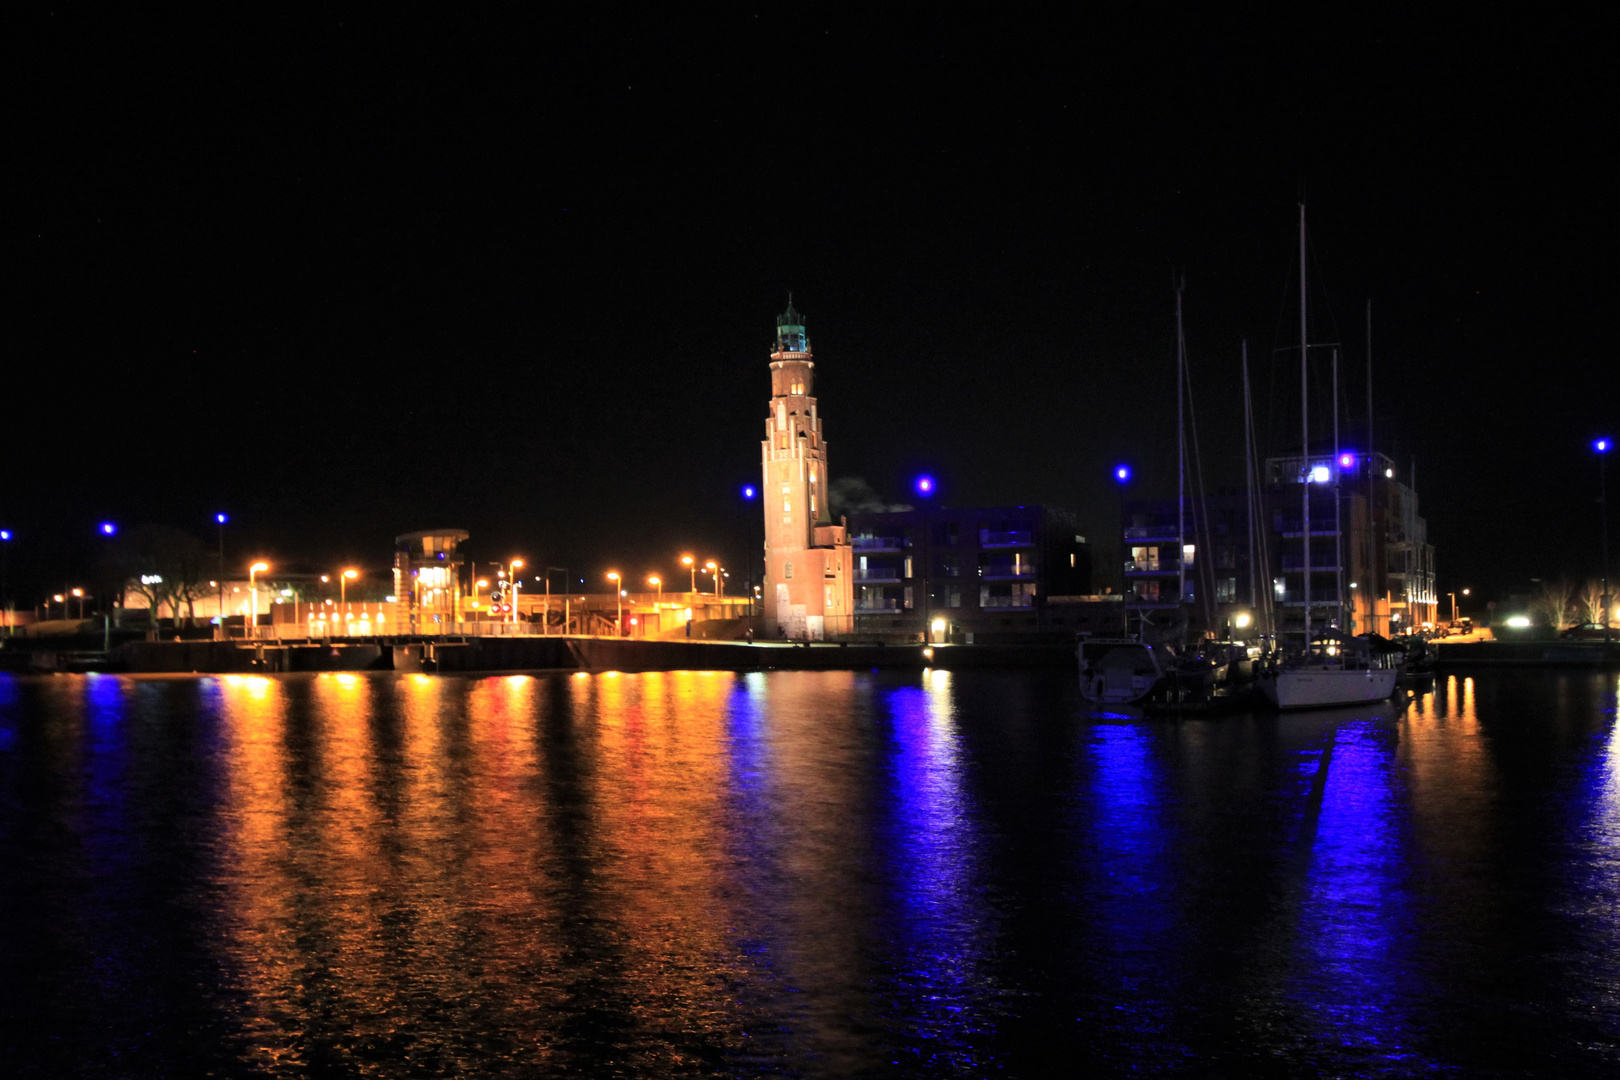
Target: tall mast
{"points": [[1370, 578], [1304, 437], [1181, 453], [1338, 504], [1248, 483]]}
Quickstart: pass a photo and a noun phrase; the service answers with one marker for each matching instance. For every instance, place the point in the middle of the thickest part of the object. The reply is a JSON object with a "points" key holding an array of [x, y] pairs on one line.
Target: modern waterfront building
{"points": [[1371, 563], [988, 572], [808, 591]]}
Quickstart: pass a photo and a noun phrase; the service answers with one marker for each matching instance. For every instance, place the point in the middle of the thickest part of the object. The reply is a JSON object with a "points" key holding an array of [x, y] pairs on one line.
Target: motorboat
{"points": [[1120, 671]]}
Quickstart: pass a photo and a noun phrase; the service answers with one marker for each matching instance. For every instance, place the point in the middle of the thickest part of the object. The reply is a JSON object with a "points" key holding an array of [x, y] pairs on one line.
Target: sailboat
{"points": [[1333, 668]]}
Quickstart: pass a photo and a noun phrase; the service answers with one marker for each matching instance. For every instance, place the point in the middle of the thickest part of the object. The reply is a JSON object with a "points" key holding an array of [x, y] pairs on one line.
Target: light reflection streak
{"points": [[1354, 934], [1131, 866], [936, 858]]}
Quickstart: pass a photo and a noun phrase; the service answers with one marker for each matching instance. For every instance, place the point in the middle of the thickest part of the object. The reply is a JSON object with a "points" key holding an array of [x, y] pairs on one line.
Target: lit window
{"points": [[787, 571]]}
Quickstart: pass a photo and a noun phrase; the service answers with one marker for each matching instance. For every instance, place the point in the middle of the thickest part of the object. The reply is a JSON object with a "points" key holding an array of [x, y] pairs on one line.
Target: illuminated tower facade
{"points": [[809, 588]]}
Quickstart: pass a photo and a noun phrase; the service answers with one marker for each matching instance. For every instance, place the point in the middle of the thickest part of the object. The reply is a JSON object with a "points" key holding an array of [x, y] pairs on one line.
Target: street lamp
{"points": [[220, 520], [5, 597], [658, 583], [79, 595], [714, 568], [1602, 447], [691, 564], [253, 596], [343, 593], [618, 597], [512, 576], [60, 599]]}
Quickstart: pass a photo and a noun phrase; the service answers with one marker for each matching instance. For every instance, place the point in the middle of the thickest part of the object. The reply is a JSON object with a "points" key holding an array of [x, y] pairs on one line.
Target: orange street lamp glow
{"points": [[714, 568], [691, 564], [343, 587], [658, 583]]}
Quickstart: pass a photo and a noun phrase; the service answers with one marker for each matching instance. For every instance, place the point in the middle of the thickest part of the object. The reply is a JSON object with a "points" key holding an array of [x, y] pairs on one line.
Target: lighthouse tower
{"points": [[809, 589]]}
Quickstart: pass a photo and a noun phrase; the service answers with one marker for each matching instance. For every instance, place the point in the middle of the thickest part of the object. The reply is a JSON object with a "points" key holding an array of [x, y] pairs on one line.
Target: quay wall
{"points": [[563, 653]]}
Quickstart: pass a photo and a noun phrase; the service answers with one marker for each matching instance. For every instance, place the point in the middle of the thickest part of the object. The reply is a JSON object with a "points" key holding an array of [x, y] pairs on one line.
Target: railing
{"points": [[1013, 538], [877, 543], [1150, 566], [1150, 532], [994, 573], [878, 574], [877, 605], [1006, 602]]}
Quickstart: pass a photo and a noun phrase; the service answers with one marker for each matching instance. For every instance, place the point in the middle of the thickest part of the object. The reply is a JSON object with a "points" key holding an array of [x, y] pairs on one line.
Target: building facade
{"points": [[808, 591], [1371, 566], [988, 572]]}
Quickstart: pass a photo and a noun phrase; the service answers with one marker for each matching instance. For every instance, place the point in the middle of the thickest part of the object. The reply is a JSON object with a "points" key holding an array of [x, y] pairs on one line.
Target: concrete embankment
{"points": [[561, 653], [1528, 654]]}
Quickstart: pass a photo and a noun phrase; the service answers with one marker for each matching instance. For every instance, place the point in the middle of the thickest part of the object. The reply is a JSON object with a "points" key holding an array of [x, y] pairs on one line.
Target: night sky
{"points": [[350, 277]]}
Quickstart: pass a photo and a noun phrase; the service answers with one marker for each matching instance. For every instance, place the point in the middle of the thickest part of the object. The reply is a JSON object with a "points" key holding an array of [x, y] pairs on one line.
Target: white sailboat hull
{"points": [[1319, 687]]}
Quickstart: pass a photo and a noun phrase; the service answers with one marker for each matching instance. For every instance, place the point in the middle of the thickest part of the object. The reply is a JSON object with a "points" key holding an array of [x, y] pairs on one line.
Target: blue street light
{"points": [[1122, 473], [108, 528], [925, 485], [1601, 445], [222, 518], [749, 491]]}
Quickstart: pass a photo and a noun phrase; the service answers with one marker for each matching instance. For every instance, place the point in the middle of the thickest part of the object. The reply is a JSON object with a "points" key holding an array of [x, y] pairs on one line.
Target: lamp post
{"points": [[60, 599], [512, 569], [1602, 447], [5, 597], [713, 567], [658, 583], [220, 520], [343, 594], [925, 554], [253, 596], [78, 594], [749, 494], [691, 564], [618, 597], [1122, 477]]}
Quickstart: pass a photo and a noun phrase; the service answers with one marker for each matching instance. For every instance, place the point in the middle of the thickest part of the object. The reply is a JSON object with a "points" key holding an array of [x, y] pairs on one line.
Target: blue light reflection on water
{"points": [[934, 854], [1129, 862], [1355, 971]]}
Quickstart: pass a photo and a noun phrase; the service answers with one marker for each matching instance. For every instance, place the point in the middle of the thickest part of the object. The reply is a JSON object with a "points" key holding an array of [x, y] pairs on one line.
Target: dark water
{"points": [[801, 874]]}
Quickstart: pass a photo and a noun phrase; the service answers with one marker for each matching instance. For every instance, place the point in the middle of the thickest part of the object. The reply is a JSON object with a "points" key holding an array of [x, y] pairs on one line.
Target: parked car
{"points": [[1590, 630], [1460, 627]]}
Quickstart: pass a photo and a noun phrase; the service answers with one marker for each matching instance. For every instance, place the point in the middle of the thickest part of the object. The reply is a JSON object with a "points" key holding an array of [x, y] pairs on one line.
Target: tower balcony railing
{"points": [[1152, 532], [1009, 538], [877, 543], [878, 573], [1021, 572], [1006, 601], [885, 604]]}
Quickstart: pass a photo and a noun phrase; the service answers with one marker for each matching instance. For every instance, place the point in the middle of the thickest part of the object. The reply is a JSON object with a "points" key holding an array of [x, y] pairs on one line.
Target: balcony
{"points": [[1006, 601], [1166, 533], [1009, 572], [878, 543], [1014, 538], [868, 606], [880, 574], [1150, 566]]}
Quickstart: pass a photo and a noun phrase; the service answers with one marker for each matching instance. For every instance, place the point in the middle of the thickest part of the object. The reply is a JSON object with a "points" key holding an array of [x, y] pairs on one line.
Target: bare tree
{"points": [[1589, 601], [1552, 602], [162, 564]]}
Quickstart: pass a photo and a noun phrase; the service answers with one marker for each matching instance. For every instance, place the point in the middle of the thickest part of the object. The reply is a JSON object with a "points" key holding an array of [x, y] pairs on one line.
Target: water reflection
{"points": [[812, 874], [1356, 970]]}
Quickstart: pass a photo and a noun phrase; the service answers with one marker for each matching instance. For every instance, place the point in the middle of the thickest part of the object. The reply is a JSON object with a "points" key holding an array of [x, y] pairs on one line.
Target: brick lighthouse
{"points": [[809, 588]]}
